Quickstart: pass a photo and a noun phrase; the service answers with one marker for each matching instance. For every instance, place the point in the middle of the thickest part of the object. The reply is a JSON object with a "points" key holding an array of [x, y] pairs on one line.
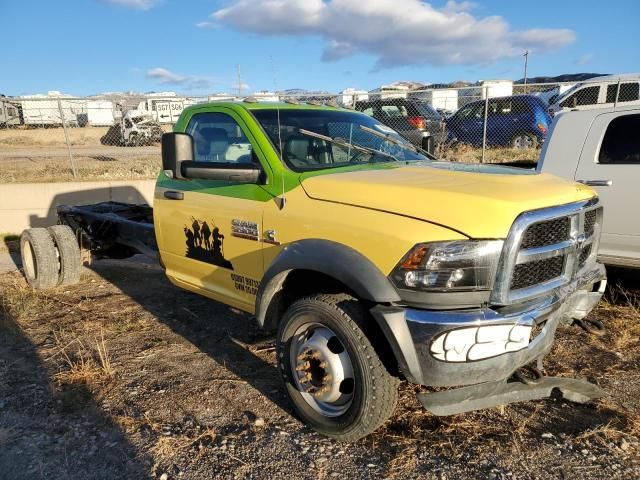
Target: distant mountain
{"points": [[566, 77]]}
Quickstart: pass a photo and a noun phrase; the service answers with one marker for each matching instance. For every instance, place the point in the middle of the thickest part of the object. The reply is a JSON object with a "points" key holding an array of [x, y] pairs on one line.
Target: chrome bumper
{"points": [[466, 347]]}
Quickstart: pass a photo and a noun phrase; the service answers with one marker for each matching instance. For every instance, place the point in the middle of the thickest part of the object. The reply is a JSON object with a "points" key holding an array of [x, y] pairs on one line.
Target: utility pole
{"points": [[239, 81], [526, 62]]}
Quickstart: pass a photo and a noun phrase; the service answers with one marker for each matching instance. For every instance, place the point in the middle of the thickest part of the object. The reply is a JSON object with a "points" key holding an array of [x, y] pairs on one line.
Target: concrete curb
{"points": [[25, 205]]}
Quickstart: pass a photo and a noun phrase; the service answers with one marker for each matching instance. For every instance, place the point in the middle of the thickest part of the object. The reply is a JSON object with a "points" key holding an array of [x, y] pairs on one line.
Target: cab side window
{"points": [[621, 142], [628, 92], [584, 96], [218, 138]]}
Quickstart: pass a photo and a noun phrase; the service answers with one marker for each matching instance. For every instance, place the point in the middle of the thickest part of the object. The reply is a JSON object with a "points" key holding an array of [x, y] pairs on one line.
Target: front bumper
{"points": [[429, 354]]}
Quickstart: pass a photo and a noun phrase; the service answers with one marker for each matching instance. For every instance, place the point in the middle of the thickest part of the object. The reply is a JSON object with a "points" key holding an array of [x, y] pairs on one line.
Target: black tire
{"points": [[69, 254], [374, 391], [39, 258]]}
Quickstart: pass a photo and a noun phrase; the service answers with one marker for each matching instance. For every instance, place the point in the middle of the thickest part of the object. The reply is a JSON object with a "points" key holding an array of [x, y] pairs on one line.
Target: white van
{"points": [[606, 91]]}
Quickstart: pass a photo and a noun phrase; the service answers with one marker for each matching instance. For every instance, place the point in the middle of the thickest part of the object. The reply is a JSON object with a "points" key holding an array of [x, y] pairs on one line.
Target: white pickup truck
{"points": [[601, 148]]}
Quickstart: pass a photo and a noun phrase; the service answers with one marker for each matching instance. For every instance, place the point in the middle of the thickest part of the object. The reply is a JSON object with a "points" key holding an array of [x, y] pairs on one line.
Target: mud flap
{"points": [[487, 395]]}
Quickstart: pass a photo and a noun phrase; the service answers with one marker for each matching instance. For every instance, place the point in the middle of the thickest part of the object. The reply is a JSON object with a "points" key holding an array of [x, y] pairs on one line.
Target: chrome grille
{"points": [[547, 233], [539, 271], [590, 221], [546, 249], [584, 254]]}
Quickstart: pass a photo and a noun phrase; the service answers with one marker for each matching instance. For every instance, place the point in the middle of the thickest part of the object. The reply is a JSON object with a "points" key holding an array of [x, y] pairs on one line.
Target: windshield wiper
{"points": [[343, 143], [392, 139]]}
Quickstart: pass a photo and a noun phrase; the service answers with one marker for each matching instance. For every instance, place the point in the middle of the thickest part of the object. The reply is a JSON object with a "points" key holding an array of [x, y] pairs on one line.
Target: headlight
{"points": [[449, 266]]}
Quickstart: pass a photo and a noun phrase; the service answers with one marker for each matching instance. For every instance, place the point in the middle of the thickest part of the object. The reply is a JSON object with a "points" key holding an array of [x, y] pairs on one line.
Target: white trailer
{"points": [[349, 96], [47, 109], [9, 114], [496, 88], [389, 91], [442, 99], [100, 113]]}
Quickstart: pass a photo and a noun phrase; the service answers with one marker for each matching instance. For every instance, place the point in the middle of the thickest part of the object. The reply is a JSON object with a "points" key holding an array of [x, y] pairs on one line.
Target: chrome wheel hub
{"points": [[322, 369], [522, 142]]}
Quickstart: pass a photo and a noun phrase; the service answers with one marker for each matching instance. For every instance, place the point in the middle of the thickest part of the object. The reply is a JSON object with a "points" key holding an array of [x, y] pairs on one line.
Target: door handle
{"points": [[173, 195], [596, 183]]}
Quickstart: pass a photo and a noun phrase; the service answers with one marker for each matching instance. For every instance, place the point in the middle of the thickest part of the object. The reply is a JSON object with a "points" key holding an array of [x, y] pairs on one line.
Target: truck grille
{"points": [[547, 233], [546, 249], [590, 221], [539, 271]]}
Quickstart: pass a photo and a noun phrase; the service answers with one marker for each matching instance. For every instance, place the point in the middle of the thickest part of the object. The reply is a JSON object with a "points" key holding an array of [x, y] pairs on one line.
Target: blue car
{"points": [[519, 121]]}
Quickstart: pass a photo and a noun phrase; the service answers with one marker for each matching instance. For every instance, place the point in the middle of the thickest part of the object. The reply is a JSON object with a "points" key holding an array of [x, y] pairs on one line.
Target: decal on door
{"points": [[206, 243]]}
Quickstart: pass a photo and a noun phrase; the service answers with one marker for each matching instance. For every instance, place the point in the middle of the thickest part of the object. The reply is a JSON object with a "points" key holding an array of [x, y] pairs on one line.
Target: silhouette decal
{"points": [[206, 244]]}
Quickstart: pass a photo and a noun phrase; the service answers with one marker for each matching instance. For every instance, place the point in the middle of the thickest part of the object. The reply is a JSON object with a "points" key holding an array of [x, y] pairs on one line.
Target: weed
{"points": [[85, 365], [19, 300]]}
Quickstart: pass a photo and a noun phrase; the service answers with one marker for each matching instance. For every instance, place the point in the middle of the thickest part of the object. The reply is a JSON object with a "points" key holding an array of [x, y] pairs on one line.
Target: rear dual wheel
{"points": [[50, 256], [333, 375]]}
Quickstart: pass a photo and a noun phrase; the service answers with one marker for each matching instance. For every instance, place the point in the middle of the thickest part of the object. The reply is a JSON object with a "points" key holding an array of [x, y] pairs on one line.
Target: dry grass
{"points": [[58, 169], [87, 364], [169, 447], [468, 154], [25, 137], [19, 300], [9, 242]]}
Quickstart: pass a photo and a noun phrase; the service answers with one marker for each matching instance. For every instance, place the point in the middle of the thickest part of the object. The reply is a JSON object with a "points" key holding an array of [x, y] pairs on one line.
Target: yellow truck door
{"points": [[208, 231]]}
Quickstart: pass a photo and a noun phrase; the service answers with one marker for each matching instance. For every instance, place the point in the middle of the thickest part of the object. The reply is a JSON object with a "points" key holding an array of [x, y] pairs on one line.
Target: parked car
{"points": [[601, 148], [410, 118], [518, 121], [598, 92]]}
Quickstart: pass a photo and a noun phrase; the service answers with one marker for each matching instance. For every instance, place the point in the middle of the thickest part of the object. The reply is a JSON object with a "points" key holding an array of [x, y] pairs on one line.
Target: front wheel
{"points": [[332, 373]]}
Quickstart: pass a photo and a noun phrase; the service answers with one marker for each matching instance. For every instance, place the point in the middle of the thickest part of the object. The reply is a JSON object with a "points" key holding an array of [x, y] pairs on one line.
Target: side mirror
{"points": [[178, 162], [176, 148], [226, 171]]}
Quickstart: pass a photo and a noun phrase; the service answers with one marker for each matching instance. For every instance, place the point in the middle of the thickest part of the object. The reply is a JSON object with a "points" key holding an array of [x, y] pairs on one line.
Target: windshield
{"points": [[304, 149]]}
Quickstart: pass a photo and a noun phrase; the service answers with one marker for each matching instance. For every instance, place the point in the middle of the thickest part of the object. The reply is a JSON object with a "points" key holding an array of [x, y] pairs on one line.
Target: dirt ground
{"points": [[126, 376]]}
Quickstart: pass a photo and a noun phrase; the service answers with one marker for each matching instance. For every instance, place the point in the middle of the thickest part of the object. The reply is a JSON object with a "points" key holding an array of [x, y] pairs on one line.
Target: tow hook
{"points": [[528, 375], [594, 327]]}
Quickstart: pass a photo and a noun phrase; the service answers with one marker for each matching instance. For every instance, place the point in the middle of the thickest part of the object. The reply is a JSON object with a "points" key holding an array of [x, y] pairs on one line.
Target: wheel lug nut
{"points": [[302, 366]]}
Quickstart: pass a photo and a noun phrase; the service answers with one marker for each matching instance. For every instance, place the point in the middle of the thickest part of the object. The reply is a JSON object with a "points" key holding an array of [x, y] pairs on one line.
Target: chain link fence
{"points": [[58, 138]]}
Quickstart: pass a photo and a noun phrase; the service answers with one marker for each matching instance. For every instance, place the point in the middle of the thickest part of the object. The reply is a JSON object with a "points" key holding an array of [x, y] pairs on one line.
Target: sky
{"points": [[85, 47]]}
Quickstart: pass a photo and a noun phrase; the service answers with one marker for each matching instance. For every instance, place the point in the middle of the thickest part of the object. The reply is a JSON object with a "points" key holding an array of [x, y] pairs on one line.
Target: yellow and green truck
{"points": [[370, 260]]}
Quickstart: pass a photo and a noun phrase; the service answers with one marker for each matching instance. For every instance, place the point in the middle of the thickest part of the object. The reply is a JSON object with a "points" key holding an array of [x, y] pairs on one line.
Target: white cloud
{"points": [[396, 32], [584, 59], [166, 77], [206, 24], [136, 4]]}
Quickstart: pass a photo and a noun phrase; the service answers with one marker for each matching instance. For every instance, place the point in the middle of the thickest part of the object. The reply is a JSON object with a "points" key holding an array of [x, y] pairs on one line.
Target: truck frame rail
{"points": [[112, 229]]}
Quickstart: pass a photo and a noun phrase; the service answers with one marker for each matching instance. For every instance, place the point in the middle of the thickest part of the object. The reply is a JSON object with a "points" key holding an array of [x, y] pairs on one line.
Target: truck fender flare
{"points": [[333, 259]]}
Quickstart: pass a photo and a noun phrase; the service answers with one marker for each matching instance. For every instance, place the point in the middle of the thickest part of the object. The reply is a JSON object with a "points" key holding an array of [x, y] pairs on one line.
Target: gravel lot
{"points": [[125, 376]]}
